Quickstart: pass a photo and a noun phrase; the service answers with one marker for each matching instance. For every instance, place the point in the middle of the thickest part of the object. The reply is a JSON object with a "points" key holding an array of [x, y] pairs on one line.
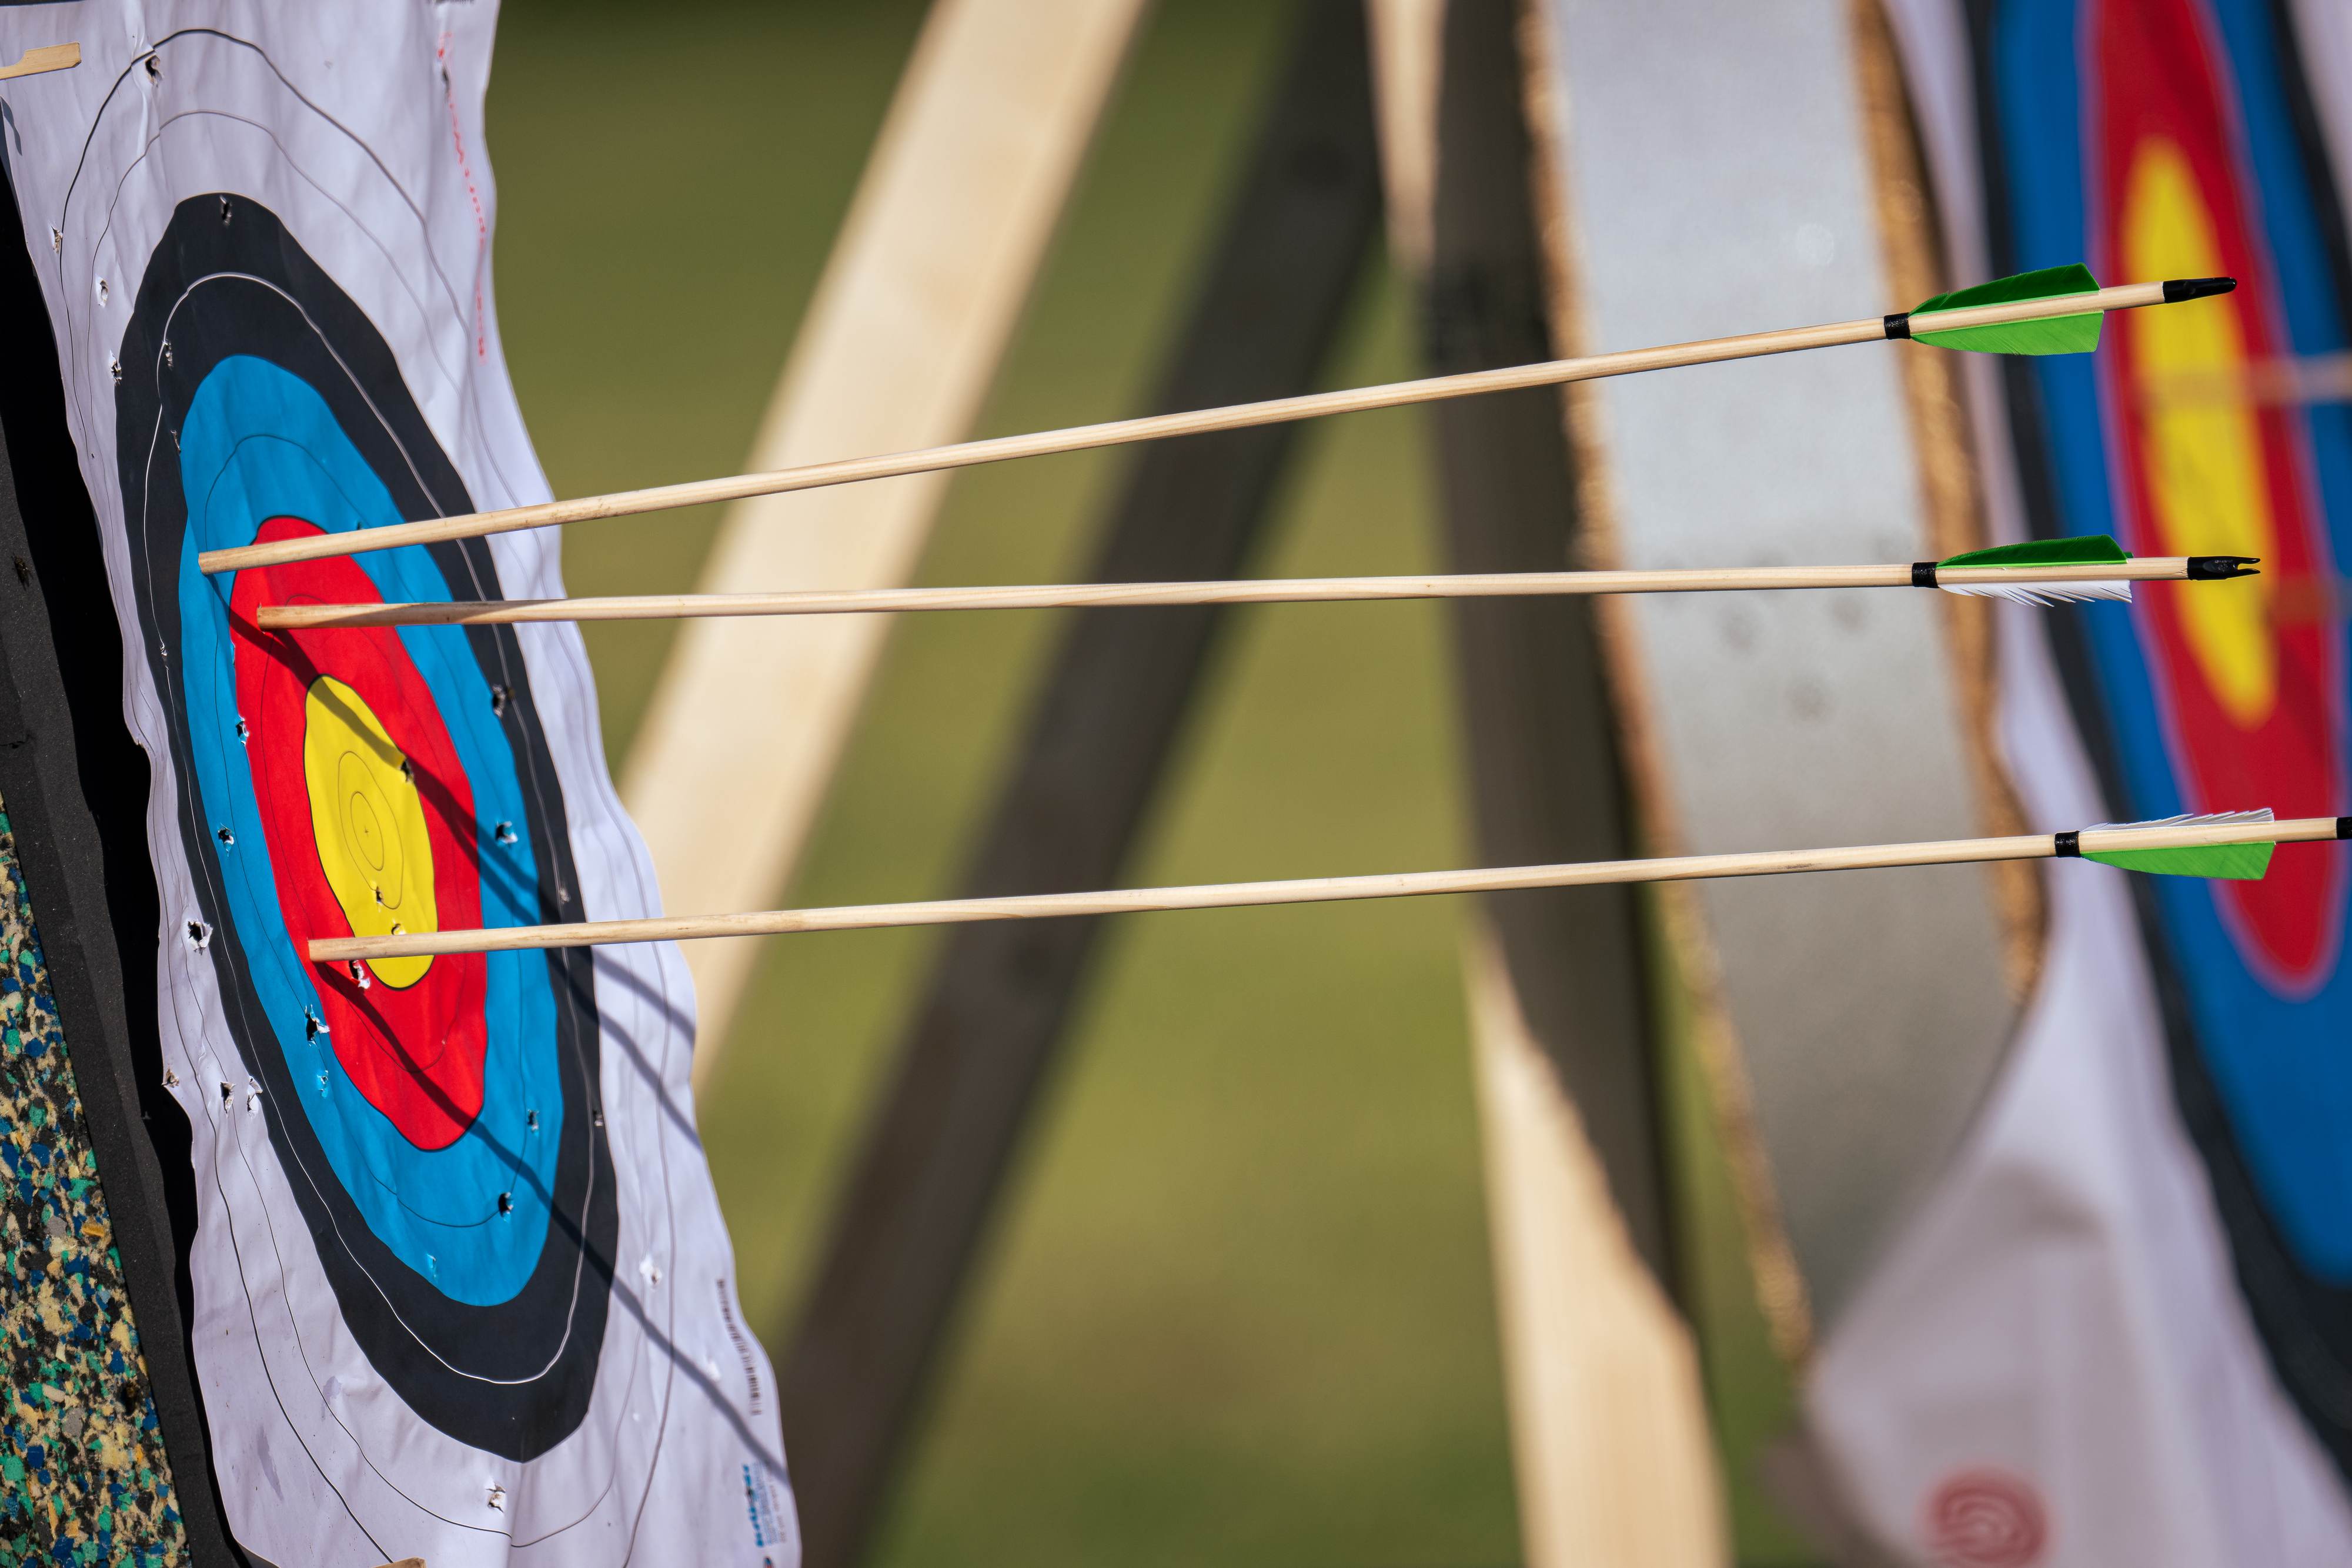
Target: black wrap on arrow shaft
{"points": [[2178, 290], [2067, 845], [1898, 324], [1923, 574]]}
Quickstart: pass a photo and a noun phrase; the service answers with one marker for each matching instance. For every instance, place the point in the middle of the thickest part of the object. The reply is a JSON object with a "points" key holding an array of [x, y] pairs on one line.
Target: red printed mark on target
{"points": [[481, 219], [1986, 1518]]}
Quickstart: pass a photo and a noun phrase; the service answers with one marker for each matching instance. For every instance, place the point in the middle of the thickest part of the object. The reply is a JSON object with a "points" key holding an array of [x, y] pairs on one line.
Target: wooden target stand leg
{"points": [[925, 1182], [1545, 779], [972, 169], [1609, 1423]]}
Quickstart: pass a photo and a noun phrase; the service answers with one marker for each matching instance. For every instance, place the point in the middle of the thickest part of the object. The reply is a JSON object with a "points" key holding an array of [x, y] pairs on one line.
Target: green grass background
{"points": [[1238, 1306]]}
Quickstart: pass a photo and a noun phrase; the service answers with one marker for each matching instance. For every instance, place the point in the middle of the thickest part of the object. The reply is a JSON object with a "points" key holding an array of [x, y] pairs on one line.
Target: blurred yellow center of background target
{"points": [[2204, 456], [368, 822]]}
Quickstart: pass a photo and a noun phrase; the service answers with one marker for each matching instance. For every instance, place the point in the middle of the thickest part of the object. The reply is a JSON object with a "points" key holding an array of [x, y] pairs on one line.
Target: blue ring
{"points": [[259, 443]]}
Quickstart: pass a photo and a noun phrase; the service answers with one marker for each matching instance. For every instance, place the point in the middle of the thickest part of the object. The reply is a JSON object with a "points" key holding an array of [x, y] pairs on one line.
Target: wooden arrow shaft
{"points": [[1274, 590], [1152, 427], [1309, 890]]}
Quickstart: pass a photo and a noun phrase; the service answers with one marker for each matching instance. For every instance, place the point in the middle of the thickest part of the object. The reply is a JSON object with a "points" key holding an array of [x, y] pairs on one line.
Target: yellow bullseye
{"points": [[369, 823], [2203, 461]]}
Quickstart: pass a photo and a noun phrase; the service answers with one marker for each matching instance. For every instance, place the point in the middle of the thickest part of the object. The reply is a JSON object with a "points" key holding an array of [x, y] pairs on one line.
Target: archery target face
{"points": [[459, 1286], [440, 1117], [2169, 137]]}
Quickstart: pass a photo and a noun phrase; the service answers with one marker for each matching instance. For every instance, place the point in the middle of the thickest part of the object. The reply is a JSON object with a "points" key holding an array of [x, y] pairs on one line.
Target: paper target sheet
{"points": [[462, 1291]]}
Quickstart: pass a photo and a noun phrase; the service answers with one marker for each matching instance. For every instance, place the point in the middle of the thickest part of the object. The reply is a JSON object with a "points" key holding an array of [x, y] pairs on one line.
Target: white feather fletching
{"points": [[2042, 593], [2209, 819]]}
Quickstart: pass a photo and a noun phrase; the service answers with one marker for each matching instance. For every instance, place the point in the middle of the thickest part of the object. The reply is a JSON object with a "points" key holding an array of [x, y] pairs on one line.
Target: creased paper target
{"points": [[438, 1118], [461, 1287]]}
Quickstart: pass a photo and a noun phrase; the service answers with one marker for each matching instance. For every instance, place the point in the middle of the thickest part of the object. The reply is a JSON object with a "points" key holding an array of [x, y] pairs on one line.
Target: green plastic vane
{"points": [[2232, 863], [2091, 549], [2050, 335]]}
